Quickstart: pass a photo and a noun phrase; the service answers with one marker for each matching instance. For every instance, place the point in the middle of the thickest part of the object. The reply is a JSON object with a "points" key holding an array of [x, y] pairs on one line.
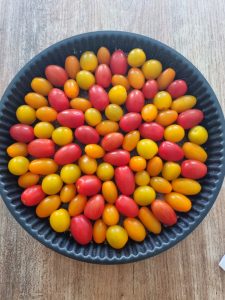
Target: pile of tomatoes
{"points": [[108, 147]]}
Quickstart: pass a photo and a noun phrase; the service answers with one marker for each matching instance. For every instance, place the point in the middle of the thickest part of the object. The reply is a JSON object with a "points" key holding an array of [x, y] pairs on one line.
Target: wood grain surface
{"points": [[28, 270]]}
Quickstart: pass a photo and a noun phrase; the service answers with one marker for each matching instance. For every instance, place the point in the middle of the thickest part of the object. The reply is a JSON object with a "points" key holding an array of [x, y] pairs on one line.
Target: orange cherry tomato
{"points": [[99, 231], [154, 166], [76, 205], [47, 206]]}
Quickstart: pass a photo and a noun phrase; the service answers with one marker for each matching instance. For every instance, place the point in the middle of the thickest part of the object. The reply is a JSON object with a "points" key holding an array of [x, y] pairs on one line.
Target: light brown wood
{"points": [[190, 270]]}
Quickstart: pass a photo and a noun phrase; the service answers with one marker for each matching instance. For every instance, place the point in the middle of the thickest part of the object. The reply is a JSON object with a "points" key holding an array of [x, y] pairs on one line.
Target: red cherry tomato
{"points": [[177, 88], [117, 158], [22, 133], [193, 169], [94, 207], [87, 135], [41, 148], [190, 118], [81, 229], [71, 118], [135, 101], [125, 180], [58, 100], [163, 212], [130, 121], [67, 154], [152, 130], [98, 97], [88, 185], [112, 141], [127, 206], [118, 63], [170, 151], [56, 75], [32, 195], [150, 89], [103, 76]]}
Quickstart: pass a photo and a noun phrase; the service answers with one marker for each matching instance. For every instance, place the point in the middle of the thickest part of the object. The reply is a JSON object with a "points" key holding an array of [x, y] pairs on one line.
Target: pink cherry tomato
{"points": [[152, 130], [88, 185], [170, 151], [81, 229], [118, 63], [98, 97], [87, 135], [150, 89], [58, 100], [177, 88], [67, 154], [125, 181], [193, 169], [112, 141], [32, 195], [127, 206], [135, 101], [163, 212], [117, 158], [130, 121], [41, 148], [56, 75], [22, 133], [71, 118], [94, 207], [190, 118], [103, 76]]}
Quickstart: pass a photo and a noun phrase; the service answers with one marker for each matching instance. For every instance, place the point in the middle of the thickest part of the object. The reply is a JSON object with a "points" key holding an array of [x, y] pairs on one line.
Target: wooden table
{"points": [[28, 270]]}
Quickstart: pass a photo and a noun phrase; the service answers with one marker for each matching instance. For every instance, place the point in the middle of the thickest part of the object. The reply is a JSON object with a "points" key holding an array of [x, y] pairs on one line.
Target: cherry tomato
{"points": [[105, 171], [120, 80], [25, 114], [161, 185], [113, 112], [41, 86], [28, 179], [142, 178], [71, 88], [58, 100], [103, 55], [144, 195], [60, 220], [178, 202], [94, 151], [88, 61], [150, 89], [154, 166], [77, 205], [80, 103], [183, 103], [46, 114], [198, 135], [71, 118], [193, 151], [85, 79], [135, 229], [136, 78], [177, 88], [32, 195], [17, 149], [99, 232], [166, 117], [137, 163], [117, 95], [92, 116], [117, 158], [171, 170], [94, 207], [164, 212], [152, 131], [126, 187], [136, 57], [149, 112], [112, 141], [166, 78], [43, 130], [110, 215], [105, 127], [152, 69], [109, 191], [87, 135], [35, 100], [18, 165], [162, 100], [67, 193], [87, 164], [67, 154], [41, 148], [116, 236], [126, 206], [103, 76], [88, 185], [174, 133], [147, 148], [193, 169], [70, 173], [62, 136], [22, 133], [81, 229], [186, 186], [170, 151], [98, 97], [56, 75], [118, 62], [190, 118], [130, 140], [47, 206], [130, 121], [149, 220], [43, 166], [135, 101], [72, 66], [51, 184]]}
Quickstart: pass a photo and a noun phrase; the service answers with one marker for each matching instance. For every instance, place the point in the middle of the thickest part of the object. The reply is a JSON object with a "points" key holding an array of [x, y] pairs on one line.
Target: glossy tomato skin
{"points": [[22, 133], [150, 89], [193, 169], [33, 195], [170, 151], [88, 185], [130, 121], [117, 158], [98, 97], [127, 206], [177, 88], [71, 118], [103, 75], [135, 101], [94, 207], [190, 118], [56, 75], [81, 229], [87, 135], [152, 131], [112, 141], [125, 180], [118, 62], [41, 148], [163, 212], [58, 100], [67, 154]]}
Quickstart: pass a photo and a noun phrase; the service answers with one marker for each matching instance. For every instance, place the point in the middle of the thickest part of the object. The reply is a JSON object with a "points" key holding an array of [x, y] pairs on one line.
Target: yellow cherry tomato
{"points": [[136, 78], [105, 171], [51, 184], [18, 165], [28, 179], [149, 220], [113, 112], [167, 117], [193, 151], [62, 136], [67, 193], [80, 103], [183, 103], [144, 195], [186, 186], [35, 100], [109, 191], [25, 114], [171, 170], [120, 80], [106, 127], [87, 164], [17, 149], [117, 95], [135, 229], [147, 148], [152, 69], [41, 86], [43, 130], [161, 185], [162, 100], [92, 116], [77, 205], [60, 220], [136, 57], [88, 61], [174, 133], [110, 215], [46, 114], [85, 79], [130, 140], [149, 112], [43, 166], [71, 88], [116, 236], [137, 163], [154, 166], [70, 173], [142, 178], [99, 232], [94, 151], [47, 206], [178, 202], [198, 135]]}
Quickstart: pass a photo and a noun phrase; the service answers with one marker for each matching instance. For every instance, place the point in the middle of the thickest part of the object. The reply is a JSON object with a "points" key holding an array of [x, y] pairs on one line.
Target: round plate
{"points": [[213, 121]]}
